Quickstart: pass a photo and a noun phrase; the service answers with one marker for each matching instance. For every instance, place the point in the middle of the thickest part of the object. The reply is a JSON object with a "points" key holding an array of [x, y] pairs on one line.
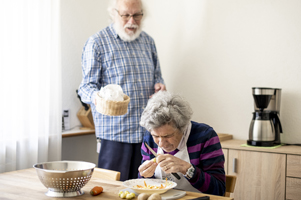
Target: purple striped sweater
{"points": [[205, 154]]}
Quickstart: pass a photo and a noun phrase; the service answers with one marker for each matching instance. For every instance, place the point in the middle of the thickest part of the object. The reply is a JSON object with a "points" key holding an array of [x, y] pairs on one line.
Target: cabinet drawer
{"points": [[294, 166], [293, 186]]}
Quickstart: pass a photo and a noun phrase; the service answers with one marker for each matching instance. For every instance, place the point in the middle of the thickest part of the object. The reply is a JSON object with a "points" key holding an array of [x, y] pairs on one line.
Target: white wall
{"points": [[211, 51], [79, 20]]}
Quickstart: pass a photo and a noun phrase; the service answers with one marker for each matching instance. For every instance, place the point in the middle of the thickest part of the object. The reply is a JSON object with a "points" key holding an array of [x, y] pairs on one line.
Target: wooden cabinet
{"points": [[293, 179], [262, 173], [260, 176]]}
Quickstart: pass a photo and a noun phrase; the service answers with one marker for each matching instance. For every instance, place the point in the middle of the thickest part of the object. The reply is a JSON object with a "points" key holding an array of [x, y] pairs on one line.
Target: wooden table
{"points": [[25, 185]]}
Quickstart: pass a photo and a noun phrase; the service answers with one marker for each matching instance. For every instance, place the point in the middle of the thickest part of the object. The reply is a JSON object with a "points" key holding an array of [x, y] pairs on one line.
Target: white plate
{"points": [[156, 182], [169, 195]]}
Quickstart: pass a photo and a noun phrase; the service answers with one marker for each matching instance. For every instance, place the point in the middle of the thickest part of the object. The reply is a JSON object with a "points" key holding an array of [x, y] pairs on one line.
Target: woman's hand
{"points": [[170, 164], [147, 169]]}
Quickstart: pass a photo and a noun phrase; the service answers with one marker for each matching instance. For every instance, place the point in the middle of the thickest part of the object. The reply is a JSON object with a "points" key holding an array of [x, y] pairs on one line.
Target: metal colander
{"points": [[64, 178]]}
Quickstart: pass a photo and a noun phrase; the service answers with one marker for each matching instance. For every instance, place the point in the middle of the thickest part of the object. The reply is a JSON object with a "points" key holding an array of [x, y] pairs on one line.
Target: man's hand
{"points": [[158, 87], [147, 169]]}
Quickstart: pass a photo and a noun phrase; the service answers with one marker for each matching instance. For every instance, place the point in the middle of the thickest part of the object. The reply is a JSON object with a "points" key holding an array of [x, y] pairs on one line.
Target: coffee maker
{"points": [[265, 127]]}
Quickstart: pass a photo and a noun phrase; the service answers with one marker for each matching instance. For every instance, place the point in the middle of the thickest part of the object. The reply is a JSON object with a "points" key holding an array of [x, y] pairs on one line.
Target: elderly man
{"points": [[190, 149], [125, 55]]}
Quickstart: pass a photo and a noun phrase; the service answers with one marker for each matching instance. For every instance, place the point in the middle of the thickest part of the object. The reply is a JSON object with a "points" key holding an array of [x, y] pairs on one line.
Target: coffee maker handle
{"points": [[277, 121]]}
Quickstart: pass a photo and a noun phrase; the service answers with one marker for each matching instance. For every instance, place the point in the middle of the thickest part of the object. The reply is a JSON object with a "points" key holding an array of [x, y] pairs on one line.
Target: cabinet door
{"points": [[293, 179], [260, 176]]}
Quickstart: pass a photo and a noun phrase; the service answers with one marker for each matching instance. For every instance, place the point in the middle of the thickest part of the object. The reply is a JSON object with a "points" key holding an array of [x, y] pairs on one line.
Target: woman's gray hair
{"points": [[166, 108], [113, 6]]}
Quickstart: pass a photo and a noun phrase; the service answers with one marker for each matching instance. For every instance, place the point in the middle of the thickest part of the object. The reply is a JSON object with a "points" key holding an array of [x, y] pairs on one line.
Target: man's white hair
{"points": [[113, 6]]}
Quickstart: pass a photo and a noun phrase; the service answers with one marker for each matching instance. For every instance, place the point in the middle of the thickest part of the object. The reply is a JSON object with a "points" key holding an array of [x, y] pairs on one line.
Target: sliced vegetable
{"points": [[145, 186]]}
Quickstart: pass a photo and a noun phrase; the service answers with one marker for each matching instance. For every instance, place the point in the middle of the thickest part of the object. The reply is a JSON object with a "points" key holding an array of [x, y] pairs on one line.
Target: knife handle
{"points": [[176, 175]]}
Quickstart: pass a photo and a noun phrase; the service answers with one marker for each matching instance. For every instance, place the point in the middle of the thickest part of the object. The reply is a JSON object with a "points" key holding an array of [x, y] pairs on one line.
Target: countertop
{"points": [[285, 149], [77, 131]]}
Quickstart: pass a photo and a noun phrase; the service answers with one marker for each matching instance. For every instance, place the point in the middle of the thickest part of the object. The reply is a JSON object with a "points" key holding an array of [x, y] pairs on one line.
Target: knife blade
{"points": [[155, 154]]}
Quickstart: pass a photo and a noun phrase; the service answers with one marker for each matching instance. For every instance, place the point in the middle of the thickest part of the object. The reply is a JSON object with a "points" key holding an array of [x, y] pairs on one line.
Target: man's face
{"points": [[128, 29], [167, 137]]}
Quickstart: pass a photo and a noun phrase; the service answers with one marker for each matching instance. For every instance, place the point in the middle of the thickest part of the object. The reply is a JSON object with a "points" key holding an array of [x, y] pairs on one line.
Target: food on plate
{"points": [[96, 190], [126, 195], [154, 196], [143, 196], [145, 185], [155, 187]]}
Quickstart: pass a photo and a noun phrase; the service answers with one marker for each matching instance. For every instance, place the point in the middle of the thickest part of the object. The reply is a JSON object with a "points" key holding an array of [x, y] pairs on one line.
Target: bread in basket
{"points": [[112, 108]]}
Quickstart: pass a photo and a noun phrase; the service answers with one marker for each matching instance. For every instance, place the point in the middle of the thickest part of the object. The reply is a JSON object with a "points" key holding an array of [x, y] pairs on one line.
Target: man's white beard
{"points": [[125, 36]]}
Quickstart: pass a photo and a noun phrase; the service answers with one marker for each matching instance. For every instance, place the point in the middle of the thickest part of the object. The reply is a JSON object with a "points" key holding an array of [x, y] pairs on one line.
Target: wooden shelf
{"points": [[78, 131]]}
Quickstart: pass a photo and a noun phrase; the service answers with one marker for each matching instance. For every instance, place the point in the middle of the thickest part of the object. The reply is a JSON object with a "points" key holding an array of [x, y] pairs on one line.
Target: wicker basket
{"points": [[112, 108]]}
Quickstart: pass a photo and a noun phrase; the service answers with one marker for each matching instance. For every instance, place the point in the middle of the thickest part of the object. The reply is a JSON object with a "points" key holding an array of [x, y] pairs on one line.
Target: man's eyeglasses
{"points": [[136, 17]]}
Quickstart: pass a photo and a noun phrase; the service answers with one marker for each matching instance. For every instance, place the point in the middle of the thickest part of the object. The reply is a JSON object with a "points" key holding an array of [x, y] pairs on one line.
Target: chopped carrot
{"points": [[96, 190], [153, 186]]}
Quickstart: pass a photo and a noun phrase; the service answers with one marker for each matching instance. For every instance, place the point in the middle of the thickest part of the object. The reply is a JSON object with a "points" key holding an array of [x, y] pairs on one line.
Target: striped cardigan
{"points": [[205, 154]]}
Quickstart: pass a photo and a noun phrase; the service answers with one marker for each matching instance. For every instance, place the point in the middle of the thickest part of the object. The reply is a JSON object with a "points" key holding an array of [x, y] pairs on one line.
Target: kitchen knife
{"points": [[202, 198], [155, 154]]}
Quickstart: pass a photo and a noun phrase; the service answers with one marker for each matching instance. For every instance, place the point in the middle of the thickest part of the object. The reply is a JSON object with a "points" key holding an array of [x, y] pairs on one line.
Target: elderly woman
{"points": [[190, 149]]}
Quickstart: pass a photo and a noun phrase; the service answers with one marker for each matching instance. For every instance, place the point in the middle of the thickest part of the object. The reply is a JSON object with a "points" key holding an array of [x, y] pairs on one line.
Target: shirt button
{"points": [[142, 107], [139, 80], [137, 66], [141, 94], [134, 54]]}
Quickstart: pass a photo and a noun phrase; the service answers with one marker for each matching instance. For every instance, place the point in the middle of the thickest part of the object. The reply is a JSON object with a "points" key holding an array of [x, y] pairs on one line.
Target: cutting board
{"points": [[173, 194], [169, 195]]}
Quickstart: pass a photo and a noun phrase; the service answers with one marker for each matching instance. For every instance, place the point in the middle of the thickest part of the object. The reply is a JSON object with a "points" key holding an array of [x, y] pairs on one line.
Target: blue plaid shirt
{"points": [[134, 65]]}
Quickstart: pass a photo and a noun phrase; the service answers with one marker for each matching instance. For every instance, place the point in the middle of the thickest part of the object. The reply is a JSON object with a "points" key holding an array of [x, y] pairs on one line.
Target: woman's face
{"points": [[167, 137]]}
